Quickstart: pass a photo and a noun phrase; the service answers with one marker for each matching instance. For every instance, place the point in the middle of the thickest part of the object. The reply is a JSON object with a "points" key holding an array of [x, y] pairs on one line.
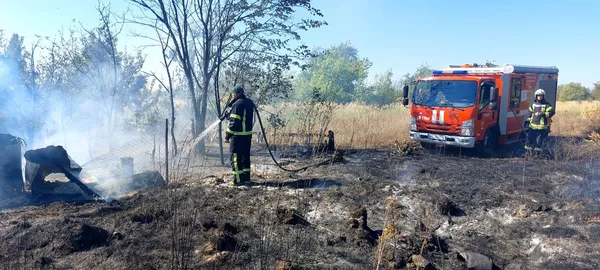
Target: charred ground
{"points": [[374, 207]]}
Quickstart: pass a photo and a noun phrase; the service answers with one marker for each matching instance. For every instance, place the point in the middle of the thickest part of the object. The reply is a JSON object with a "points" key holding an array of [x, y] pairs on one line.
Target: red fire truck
{"points": [[477, 106]]}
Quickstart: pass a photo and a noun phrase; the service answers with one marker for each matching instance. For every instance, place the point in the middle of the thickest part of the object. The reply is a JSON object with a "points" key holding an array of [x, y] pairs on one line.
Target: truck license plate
{"points": [[437, 137]]}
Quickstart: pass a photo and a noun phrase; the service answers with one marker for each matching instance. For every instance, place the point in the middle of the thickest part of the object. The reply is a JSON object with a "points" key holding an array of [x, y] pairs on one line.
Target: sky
{"points": [[396, 34]]}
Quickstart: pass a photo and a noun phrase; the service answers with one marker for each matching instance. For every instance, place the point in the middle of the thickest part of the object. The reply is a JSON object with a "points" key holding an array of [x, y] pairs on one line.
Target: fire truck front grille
{"points": [[442, 129]]}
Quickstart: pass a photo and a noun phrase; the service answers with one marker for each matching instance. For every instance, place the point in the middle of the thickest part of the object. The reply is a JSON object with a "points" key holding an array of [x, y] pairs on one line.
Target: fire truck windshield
{"points": [[445, 93]]}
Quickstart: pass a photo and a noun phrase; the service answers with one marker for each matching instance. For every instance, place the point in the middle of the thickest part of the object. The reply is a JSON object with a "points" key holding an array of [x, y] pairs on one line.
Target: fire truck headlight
{"points": [[413, 124], [467, 128]]}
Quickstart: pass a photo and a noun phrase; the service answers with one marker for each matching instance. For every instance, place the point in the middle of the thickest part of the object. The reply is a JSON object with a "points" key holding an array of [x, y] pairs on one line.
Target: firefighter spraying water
{"points": [[239, 111], [239, 134]]}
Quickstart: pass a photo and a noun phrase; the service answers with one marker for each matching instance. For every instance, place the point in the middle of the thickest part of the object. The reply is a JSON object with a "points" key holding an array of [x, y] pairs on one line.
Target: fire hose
{"points": [[520, 125], [264, 135]]}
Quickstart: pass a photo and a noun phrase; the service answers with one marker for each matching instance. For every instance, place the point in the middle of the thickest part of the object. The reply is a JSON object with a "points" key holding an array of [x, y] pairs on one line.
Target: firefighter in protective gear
{"points": [[540, 114], [239, 134]]}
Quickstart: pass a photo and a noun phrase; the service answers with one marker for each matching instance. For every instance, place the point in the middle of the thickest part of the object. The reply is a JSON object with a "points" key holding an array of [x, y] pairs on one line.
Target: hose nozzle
{"points": [[225, 115]]}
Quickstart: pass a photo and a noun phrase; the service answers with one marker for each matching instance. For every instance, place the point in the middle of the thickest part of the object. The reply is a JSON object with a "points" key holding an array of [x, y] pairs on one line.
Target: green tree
{"points": [[17, 115], [337, 73], [573, 91], [410, 79], [383, 91], [595, 95], [15, 52]]}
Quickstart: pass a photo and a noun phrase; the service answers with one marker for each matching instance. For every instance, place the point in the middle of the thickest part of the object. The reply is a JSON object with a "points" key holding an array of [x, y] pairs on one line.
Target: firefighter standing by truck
{"points": [[540, 114], [239, 134]]}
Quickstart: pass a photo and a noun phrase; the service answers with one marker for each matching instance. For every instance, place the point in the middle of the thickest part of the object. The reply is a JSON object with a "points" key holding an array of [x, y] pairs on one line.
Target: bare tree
{"points": [[109, 78], [107, 32], [210, 32], [33, 125], [256, 21], [172, 18], [167, 59]]}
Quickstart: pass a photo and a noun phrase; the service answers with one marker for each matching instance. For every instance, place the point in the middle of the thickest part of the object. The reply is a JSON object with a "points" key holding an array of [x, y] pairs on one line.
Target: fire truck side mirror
{"points": [[494, 94], [405, 95], [494, 98]]}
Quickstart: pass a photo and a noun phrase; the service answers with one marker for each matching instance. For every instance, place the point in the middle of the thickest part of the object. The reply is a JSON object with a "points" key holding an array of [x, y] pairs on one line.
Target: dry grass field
{"points": [[360, 126], [576, 118]]}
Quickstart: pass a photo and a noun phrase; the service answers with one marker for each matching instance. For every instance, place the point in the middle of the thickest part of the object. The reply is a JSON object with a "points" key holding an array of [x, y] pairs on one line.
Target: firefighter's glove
{"points": [[225, 116], [538, 114]]}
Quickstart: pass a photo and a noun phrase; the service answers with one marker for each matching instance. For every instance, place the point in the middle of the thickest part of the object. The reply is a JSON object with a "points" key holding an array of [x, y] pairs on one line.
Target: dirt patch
{"points": [[45, 242], [146, 214], [78, 237], [64, 236]]}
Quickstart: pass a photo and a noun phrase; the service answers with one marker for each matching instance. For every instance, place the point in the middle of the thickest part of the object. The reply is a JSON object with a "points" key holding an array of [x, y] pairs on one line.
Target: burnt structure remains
{"points": [[52, 159], [11, 173]]}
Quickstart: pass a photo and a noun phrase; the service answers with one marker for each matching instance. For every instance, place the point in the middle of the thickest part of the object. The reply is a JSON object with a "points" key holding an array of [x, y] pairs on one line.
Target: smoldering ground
{"points": [[422, 210]]}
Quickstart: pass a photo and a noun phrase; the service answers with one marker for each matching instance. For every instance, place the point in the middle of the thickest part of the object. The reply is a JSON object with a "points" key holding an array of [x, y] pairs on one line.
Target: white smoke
{"points": [[80, 122]]}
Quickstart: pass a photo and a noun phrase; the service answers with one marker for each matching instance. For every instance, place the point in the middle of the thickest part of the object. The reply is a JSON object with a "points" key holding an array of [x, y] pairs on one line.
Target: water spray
{"points": [[226, 113], [264, 135]]}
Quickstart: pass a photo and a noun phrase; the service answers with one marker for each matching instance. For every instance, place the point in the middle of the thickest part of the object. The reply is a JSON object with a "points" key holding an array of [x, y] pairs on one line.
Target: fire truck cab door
{"points": [[485, 114]]}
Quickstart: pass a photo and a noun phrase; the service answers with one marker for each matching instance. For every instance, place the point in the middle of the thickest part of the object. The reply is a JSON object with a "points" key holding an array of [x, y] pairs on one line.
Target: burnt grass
{"points": [[520, 213]]}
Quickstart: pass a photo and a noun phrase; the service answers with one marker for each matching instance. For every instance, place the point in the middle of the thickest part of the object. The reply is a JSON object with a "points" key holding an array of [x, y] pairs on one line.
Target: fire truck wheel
{"points": [[487, 147]]}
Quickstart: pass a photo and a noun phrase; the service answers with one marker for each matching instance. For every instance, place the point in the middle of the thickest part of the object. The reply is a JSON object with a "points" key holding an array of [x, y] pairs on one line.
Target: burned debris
{"points": [[476, 260], [50, 174], [358, 230], [221, 244], [290, 217], [53, 159], [11, 179], [116, 187]]}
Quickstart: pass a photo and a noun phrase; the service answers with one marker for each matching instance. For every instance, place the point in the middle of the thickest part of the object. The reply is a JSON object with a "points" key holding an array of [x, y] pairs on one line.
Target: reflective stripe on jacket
{"points": [[241, 117], [540, 121]]}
